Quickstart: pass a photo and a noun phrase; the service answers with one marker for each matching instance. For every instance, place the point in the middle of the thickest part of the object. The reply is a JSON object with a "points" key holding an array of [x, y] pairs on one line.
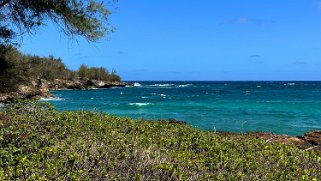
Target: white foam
{"points": [[144, 97], [162, 85], [185, 85], [163, 95], [51, 99], [139, 104], [136, 84], [290, 84]]}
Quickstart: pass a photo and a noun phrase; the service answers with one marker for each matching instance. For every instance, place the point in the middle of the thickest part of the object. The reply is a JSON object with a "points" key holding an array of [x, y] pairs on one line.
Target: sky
{"points": [[198, 40]]}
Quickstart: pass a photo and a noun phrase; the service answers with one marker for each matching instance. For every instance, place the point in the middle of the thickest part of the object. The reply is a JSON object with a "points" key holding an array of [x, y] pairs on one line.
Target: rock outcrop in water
{"points": [[60, 84], [30, 89]]}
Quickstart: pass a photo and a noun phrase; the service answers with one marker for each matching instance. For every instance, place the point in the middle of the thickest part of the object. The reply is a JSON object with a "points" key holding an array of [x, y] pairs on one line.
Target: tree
{"points": [[83, 71], [114, 77], [87, 18], [11, 61]]}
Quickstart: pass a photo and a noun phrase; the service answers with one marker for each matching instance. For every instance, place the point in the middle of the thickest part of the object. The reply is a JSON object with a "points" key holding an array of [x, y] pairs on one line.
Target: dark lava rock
{"points": [[174, 121], [313, 137]]}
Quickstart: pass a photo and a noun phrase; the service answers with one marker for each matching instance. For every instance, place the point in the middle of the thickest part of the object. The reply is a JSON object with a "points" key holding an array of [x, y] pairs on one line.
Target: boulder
{"points": [[60, 84], [116, 84], [313, 137], [43, 86]]}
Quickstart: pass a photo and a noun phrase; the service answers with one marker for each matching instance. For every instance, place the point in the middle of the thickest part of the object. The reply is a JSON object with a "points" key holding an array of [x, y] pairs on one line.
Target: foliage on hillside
{"points": [[98, 73], [39, 143], [15, 64]]}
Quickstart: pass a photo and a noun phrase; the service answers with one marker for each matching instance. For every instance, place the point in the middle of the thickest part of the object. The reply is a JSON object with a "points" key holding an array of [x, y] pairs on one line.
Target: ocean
{"points": [[291, 108]]}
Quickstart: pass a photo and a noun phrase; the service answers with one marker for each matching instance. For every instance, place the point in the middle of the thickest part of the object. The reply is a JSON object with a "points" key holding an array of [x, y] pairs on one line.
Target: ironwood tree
{"points": [[86, 18]]}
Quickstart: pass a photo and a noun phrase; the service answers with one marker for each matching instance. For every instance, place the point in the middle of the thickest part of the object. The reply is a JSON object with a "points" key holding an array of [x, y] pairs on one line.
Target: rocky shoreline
{"points": [[35, 89], [309, 141]]}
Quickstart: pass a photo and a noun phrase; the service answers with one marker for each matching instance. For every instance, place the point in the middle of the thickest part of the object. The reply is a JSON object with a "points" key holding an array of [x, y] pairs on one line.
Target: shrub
{"points": [[39, 143]]}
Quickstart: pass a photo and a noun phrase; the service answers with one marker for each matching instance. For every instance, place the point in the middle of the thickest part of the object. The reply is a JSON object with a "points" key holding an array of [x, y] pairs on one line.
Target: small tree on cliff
{"points": [[87, 18]]}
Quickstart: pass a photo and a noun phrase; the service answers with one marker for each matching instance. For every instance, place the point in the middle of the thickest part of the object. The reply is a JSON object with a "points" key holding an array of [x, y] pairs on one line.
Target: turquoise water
{"points": [[279, 107]]}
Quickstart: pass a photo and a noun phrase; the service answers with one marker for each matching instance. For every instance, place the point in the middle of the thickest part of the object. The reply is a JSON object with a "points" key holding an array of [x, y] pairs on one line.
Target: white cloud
{"points": [[246, 20], [300, 63], [243, 20], [255, 56]]}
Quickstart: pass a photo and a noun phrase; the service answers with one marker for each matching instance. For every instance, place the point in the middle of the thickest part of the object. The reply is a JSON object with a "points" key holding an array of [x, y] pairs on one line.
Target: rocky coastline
{"points": [[309, 141], [40, 88]]}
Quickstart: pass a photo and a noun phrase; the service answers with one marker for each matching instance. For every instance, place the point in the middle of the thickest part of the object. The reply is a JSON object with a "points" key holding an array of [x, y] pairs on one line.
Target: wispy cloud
{"points": [[256, 59], [122, 53], [255, 56], [243, 20], [299, 63], [247, 20]]}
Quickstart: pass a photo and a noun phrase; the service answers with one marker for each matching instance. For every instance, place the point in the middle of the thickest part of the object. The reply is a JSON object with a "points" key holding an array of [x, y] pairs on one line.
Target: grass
{"points": [[39, 143]]}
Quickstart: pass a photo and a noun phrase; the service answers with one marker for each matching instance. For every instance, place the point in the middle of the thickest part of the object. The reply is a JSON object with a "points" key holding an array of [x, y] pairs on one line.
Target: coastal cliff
{"points": [[60, 84], [11, 91]]}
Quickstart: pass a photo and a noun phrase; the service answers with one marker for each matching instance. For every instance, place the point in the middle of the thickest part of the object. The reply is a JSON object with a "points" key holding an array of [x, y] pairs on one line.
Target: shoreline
{"points": [[40, 88], [308, 141]]}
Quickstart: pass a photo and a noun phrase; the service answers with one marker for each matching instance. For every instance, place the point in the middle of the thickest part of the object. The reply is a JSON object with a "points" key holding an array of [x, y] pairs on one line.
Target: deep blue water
{"points": [[279, 107]]}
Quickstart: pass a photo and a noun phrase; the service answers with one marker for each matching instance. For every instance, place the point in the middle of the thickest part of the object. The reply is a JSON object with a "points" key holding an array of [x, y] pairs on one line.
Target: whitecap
{"points": [[139, 104], [259, 86], [290, 84], [144, 97], [185, 85], [162, 85], [51, 99], [136, 84], [163, 95]]}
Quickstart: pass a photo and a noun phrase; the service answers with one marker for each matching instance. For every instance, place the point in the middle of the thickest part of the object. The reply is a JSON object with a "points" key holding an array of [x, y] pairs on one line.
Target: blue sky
{"points": [[199, 40]]}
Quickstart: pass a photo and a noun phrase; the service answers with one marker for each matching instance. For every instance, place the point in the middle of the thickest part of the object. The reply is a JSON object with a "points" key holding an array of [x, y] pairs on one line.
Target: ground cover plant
{"points": [[39, 143]]}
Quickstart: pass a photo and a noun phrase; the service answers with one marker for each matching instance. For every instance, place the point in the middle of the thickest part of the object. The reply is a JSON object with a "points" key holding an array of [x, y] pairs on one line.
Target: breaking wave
{"points": [[185, 85], [139, 104], [136, 84], [51, 99]]}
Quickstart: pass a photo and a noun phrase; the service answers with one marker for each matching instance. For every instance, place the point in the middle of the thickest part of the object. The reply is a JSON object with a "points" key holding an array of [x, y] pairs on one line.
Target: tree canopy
{"points": [[86, 18], [19, 66]]}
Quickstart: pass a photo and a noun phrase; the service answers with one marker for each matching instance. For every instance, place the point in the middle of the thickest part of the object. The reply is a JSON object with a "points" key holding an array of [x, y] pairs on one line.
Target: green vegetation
{"points": [[14, 64], [39, 143], [97, 73], [86, 18]]}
